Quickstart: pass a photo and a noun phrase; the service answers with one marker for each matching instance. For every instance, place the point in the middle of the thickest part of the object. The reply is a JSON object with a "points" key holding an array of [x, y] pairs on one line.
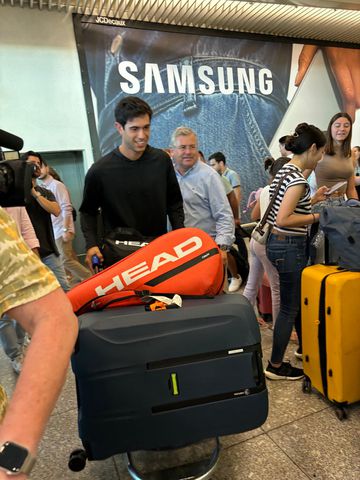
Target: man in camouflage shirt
{"points": [[31, 295]]}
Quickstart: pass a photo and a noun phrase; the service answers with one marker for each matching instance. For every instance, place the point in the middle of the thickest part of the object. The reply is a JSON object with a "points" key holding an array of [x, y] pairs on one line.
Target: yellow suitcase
{"points": [[330, 314]]}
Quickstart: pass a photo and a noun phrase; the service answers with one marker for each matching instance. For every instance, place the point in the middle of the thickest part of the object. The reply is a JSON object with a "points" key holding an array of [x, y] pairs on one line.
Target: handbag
{"points": [[120, 243], [262, 230], [245, 230]]}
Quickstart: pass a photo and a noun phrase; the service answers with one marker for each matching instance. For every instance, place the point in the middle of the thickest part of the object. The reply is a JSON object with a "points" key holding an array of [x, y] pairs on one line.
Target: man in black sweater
{"points": [[134, 185]]}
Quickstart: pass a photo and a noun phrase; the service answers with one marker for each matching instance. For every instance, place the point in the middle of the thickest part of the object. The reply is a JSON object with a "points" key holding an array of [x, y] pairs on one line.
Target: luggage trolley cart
{"points": [[163, 379], [201, 470]]}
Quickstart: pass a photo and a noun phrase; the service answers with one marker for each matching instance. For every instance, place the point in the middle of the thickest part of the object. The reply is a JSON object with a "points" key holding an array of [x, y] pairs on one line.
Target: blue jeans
{"points": [[11, 336], [289, 255], [56, 266]]}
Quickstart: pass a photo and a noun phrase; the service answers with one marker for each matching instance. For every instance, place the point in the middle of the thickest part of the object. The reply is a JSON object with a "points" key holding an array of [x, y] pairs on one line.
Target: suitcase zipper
{"points": [[322, 333]]}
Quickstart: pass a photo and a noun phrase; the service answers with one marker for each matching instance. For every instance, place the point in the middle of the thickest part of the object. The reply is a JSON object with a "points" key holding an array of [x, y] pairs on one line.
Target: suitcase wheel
{"points": [[341, 413], [306, 386], [77, 460]]}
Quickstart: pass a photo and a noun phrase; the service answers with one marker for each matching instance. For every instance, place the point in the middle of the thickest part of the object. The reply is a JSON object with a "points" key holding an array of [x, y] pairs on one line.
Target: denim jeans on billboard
{"points": [[289, 255], [240, 125]]}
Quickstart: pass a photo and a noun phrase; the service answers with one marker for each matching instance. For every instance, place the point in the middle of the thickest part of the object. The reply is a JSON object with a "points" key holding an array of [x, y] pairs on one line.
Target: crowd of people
{"points": [[294, 219], [150, 190], [200, 199]]}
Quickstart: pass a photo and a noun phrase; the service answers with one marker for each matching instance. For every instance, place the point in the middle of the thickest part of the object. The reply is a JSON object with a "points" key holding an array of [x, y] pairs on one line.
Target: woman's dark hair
{"points": [[54, 174], [305, 135], [346, 145], [274, 166]]}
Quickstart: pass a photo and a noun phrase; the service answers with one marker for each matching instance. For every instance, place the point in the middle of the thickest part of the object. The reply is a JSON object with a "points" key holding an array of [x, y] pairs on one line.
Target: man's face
{"points": [[44, 171], [215, 165], [135, 136], [185, 153], [36, 162], [356, 151]]}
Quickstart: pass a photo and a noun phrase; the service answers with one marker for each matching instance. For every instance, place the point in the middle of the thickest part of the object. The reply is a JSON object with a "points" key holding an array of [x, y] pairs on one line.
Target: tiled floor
{"points": [[301, 439]]}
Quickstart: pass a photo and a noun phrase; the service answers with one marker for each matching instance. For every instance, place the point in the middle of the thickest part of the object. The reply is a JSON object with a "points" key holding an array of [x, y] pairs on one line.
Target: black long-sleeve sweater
{"points": [[131, 193]]}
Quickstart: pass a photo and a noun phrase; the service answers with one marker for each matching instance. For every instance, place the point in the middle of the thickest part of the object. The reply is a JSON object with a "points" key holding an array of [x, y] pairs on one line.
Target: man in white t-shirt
{"points": [[63, 225]]}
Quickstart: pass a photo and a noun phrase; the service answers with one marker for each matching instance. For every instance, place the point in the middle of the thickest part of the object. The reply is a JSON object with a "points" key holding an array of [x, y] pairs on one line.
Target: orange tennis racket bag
{"points": [[186, 261]]}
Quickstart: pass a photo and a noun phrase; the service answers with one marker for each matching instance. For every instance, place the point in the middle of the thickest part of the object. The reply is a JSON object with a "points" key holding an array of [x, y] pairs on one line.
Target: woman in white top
{"points": [[259, 263], [287, 246]]}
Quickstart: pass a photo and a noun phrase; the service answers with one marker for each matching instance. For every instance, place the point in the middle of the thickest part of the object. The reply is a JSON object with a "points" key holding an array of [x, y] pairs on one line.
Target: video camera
{"points": [[15, 174]]}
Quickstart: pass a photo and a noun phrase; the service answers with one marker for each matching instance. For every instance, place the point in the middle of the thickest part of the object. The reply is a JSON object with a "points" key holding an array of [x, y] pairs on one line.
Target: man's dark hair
{"points": [[31, 153], [218, 157], [131, 107]]}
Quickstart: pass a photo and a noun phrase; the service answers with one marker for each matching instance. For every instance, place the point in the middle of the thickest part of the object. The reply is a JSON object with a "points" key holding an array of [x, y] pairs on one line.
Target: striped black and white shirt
{"points": [[293, 177]]}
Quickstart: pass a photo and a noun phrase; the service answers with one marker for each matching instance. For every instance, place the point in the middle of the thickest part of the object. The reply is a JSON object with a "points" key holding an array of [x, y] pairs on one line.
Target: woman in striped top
{"points": [[287, 246]]}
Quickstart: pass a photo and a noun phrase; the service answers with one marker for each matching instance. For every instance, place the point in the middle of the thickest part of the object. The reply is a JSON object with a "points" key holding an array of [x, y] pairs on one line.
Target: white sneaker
{"points": [[17, 363], [235, 284], [298, 354]]}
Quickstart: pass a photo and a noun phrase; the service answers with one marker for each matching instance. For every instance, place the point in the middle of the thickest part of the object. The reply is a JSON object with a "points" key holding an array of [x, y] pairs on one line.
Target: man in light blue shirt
{"points": [[205, 203]]}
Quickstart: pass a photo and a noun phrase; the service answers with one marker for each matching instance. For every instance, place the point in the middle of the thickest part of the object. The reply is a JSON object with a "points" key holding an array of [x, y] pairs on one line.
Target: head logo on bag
{"points": [[185, 261], [145, 268]]}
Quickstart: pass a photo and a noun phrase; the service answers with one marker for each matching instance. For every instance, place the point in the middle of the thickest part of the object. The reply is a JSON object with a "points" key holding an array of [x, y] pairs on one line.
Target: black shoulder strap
{"points": [[272, 201]]}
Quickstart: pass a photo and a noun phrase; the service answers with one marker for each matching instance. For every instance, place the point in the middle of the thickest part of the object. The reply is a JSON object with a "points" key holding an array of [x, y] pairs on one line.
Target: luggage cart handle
{"points": [[201, 470]]}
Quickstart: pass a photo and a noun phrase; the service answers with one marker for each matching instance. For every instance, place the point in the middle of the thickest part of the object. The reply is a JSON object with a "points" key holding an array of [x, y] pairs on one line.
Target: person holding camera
{"points": [[63, 225], [42, 205]]}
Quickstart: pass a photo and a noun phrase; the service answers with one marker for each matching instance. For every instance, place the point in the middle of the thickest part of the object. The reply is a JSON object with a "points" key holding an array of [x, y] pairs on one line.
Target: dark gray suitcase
{"points": [[163, 379]]}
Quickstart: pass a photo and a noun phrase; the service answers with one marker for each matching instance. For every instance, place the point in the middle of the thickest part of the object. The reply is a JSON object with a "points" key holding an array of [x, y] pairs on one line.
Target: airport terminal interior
{"points": [[302, 439]]}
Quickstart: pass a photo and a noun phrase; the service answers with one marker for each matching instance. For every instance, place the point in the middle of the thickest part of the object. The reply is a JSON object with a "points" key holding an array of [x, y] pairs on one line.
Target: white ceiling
{"points": [[328, 20]]}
